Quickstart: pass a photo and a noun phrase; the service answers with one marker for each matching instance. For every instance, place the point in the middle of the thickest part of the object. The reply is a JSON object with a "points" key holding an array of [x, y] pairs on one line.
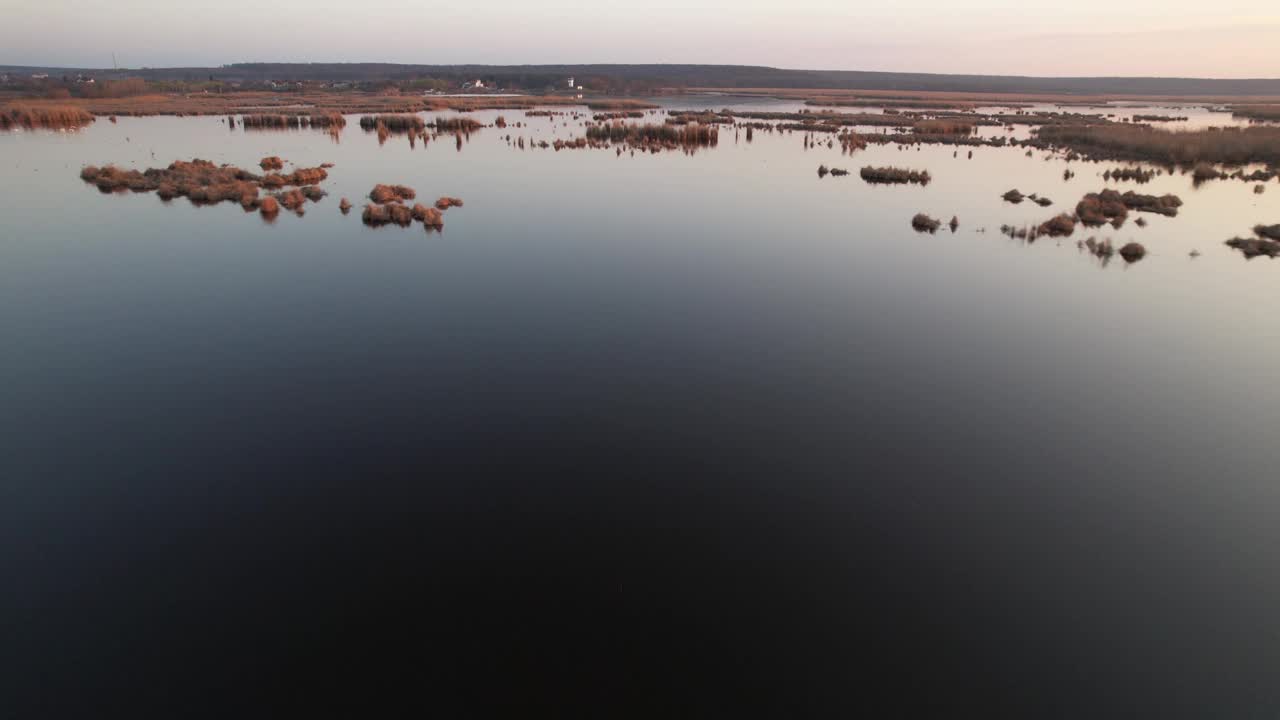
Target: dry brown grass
{"points": [[431, 217], [272, 162], [376, 215], [1271, 232], [50, 117], [446, 202]]}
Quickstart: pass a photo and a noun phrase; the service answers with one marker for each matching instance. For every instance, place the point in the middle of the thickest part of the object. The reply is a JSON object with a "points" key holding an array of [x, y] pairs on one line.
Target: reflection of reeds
{"points": [[53, 117]]}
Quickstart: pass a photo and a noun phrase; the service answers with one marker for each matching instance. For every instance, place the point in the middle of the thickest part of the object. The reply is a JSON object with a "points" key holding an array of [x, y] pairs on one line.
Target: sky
{"points": [[1226, 38]]}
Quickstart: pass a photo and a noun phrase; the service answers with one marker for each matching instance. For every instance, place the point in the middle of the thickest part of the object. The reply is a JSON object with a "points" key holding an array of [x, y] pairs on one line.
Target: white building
{"points": [[572, 85]]}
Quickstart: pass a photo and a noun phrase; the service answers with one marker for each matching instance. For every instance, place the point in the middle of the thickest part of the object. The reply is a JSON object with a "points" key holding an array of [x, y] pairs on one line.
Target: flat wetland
{"points": [[673, 392]]}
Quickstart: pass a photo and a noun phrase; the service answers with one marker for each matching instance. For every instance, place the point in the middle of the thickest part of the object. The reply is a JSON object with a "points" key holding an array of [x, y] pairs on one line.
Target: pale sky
{"points": [[1226, 38]]}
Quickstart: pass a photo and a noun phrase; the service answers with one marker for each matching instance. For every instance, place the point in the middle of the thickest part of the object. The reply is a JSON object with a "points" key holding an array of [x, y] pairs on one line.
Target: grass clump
{"points": [[923, 223], [391, 193], [447, 202], [1253, 247], [1133, 252], [895, 175], [1268, 231], [1060, 226]]}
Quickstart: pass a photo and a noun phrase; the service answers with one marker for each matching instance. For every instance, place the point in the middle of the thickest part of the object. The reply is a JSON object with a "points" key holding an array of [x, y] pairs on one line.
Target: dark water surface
{"points": [[652, 436]]}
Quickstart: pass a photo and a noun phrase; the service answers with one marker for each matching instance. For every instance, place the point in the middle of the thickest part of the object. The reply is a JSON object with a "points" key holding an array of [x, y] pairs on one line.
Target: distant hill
{"points": [[712, 76]]}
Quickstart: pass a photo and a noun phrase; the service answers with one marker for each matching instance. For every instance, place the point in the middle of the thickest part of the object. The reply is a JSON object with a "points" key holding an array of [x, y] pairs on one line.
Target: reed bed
{"points": [[621, 115], [1268, 113], [943, 127], [1230, 146], [49, 117], [655, 136], [398, 123], [1138, 175], [456, 125]]}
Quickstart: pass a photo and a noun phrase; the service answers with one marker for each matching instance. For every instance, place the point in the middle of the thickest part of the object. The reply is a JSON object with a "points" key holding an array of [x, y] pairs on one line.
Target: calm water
{"points": [[651, 436]]}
